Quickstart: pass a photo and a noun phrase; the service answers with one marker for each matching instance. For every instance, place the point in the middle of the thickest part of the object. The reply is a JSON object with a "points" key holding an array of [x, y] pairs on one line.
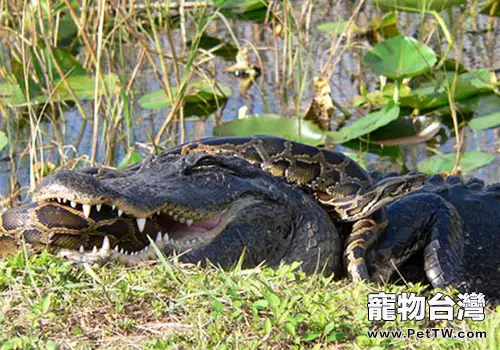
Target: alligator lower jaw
{"points": [[150, 252], [179, 231], [183, 242]]}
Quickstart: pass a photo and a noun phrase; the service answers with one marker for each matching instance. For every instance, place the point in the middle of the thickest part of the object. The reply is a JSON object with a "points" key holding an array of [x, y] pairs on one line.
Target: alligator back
{"points": [[479, 209]]}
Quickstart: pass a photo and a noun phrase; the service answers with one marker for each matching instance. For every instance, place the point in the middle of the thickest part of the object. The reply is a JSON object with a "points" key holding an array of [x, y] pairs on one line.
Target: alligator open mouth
{"points": [[171, 228]]}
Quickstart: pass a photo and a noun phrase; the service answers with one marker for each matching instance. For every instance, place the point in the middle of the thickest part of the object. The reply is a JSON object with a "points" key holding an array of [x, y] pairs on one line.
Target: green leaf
{"points": [[366, 125], [268, 327], [378, 99], [299, 130], [241, 6], [25, 85], [444, 162], [274, 300], [329, 328], [260, 304], [339, 27], [311, 336], [252, 10], [290, 328], [491, 8], [336, 336], [4, 141], [417, 5], [11, 94], [217, 306], [400, 57], [199, 91], [130, 158], [435, 94], [67, 62], [486, 109], [83, 86]]}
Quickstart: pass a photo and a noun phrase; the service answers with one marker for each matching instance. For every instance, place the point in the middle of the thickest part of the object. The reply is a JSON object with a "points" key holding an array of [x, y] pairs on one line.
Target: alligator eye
{"points": [[205, 163]]}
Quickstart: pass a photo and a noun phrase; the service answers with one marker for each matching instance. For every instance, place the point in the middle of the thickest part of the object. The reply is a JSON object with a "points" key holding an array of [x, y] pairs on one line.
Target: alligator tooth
{"points": [[116, 248], [81, 250], [64, 200], [189, 222], [120, 213], [113, 206], [165, 237], [73, 204], [98, 207], [176, 217], [182, 220], [105, 245], [86, 210], [122, 251], [141, 223], [94, 250], [158, 212], [58, 199], [158, 238], [170, 213]]}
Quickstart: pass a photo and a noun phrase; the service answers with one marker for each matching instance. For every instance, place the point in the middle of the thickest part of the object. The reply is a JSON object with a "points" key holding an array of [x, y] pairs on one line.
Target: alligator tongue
{"points": [[176, 229]]}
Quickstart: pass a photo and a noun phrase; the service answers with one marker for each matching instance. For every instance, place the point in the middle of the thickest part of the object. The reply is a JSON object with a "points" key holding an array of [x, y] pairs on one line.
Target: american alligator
{"points": [[141, 191], [218, 197]]}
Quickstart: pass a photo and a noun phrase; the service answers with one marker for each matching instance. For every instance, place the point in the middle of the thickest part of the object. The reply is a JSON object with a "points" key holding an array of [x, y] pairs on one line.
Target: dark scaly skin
{"points": [[260, 215], [272, 220], [453, 239], [340, 184]]}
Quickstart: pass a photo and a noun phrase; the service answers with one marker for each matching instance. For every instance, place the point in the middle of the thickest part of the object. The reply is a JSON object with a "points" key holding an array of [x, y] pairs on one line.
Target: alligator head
{"points": [[199, 205]]}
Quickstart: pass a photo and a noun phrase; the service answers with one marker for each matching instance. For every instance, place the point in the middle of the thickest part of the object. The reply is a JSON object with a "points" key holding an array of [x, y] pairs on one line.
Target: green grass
{"points": [[47, 302]]}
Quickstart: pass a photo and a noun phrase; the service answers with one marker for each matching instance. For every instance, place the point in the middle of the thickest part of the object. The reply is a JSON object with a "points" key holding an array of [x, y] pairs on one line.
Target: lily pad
{"points": [[444, 162], [486, 109], [83, 86], [241, 6], [386, 27], [293, 129], [253, 10], [11, 94], [69, 65], [366, 125], [199, 91], [417, 5], [435, 94], [132, 157], [400, 57], [378, 98], [339, 27]]}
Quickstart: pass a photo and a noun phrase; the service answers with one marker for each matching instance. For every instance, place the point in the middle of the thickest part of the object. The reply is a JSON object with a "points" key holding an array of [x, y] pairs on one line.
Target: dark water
{"points": [[477, 46]]}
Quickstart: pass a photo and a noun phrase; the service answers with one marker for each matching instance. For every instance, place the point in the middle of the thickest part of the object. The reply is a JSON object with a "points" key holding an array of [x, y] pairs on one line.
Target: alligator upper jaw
{"points": [[177, 233]]}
